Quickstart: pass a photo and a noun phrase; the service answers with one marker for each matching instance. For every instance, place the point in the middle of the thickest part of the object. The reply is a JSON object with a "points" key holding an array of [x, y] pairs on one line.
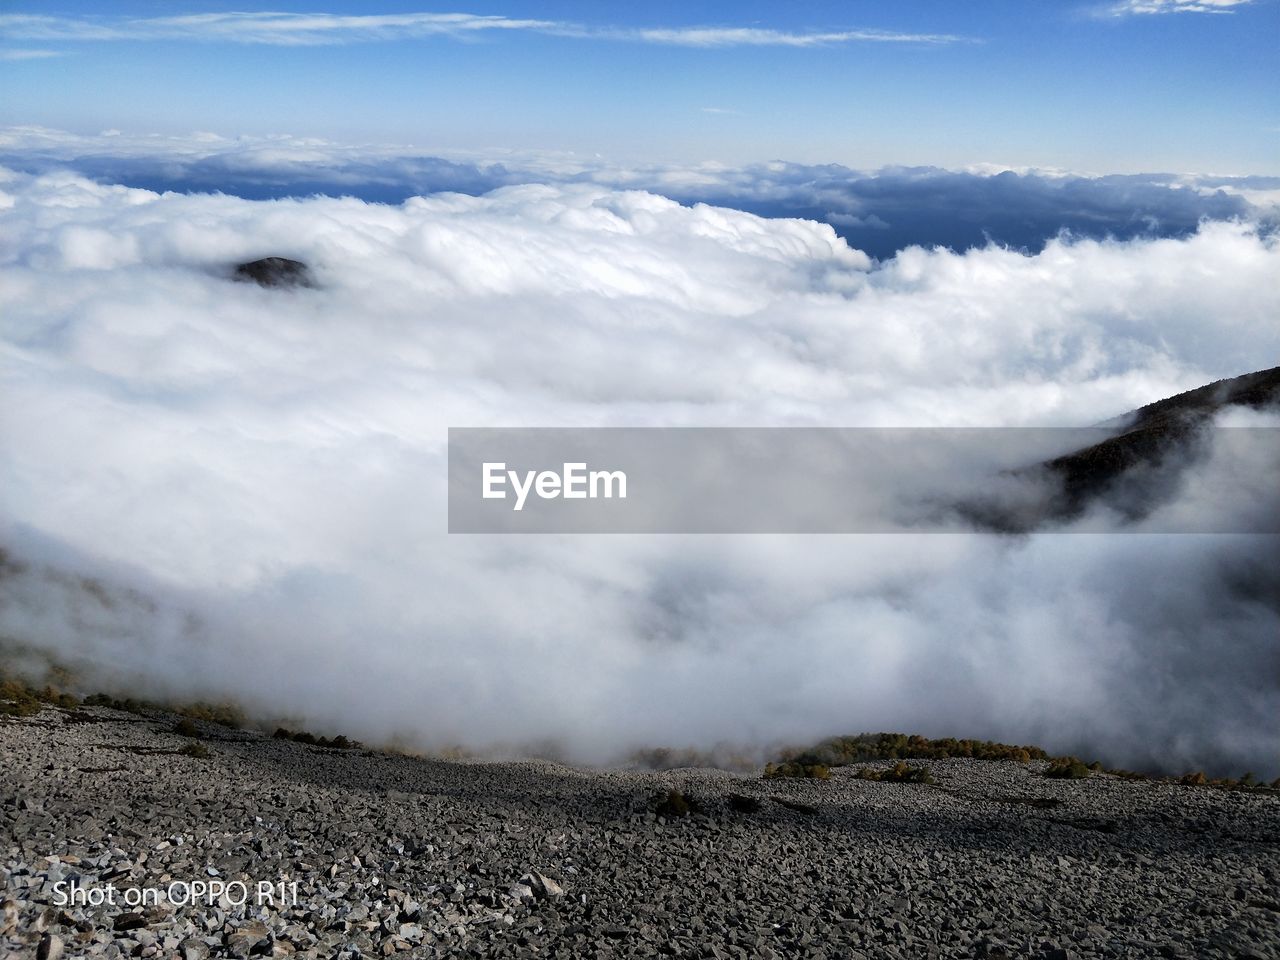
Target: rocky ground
{"points": [[393, 854]]}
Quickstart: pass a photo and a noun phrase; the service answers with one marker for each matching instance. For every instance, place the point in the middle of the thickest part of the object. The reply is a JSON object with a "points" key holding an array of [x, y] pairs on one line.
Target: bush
{"points": [[57, 698], [223, 714], [675, 804], [1120, 772], [798, 770], [20, 699], [128, 705], [186, 727], [17, 699], [842, 751], [1067, 768], [197, 750], [899, 773], [301, 736]]}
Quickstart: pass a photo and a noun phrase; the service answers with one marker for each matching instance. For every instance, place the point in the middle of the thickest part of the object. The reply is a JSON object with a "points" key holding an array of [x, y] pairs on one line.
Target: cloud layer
{"points": [[878, 212], [266, 470]]}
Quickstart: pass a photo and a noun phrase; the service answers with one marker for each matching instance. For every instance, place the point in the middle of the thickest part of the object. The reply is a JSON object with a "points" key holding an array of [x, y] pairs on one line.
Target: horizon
{"points": [[1137, 86]]}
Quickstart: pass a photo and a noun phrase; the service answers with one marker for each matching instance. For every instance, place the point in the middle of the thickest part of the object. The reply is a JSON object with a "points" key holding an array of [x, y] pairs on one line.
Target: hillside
{"points": [[427, 858]]}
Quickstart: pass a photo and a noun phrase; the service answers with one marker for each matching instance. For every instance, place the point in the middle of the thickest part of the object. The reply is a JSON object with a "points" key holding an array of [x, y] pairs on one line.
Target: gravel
{"points": [[426, 858]]}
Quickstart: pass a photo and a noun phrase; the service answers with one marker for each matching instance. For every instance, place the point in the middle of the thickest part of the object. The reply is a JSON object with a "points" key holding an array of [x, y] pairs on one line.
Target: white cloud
{"points": [[298, 29], [273, 463], [285, 29], [883, 210], [1140, 7], [17, 53], [756, 37], [870, 221]]}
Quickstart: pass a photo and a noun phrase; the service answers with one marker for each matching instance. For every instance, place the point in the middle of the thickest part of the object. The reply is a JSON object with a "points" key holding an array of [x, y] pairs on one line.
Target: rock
{"points": [[542, 886], [242, 940], [275, 272], [50, 948], [8, 916]]}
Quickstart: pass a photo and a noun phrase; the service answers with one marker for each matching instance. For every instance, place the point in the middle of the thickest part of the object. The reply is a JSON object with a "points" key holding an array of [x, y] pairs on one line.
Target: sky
{"points": [[907, 214], [1102, 86]]}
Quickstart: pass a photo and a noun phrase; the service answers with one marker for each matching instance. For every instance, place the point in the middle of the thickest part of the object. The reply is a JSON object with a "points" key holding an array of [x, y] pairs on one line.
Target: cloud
{"points": [[265, 471], [755, 37], [281, 29], [298, 29], [28, 54], [849, 220], [1141, 7], [879, 211]]}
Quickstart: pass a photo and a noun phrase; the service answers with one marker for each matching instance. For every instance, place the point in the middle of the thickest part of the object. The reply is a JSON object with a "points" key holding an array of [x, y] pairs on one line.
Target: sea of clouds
{"points": [[877, 211], [217, 490]]}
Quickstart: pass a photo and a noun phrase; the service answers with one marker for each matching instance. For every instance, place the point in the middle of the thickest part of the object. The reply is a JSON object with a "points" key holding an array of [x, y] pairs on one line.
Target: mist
{"points": [[213, 490]]}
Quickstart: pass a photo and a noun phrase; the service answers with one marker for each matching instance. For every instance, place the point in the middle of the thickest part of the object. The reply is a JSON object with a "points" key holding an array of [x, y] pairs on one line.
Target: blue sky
{"points": [[1105, 86]]}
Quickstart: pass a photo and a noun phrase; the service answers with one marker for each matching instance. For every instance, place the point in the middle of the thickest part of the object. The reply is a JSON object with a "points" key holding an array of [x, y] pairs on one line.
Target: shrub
{"points": [[17, 699], [57, 697], [675, 804], [899, 773], [1067, 768], [128, 705], [798, 770], [20, 699], [186, 727], [223, 714], [841, 751], [302, 736], [1121, 772]]}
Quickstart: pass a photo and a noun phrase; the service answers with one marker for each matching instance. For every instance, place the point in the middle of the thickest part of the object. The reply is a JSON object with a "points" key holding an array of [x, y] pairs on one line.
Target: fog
{"points": [[221, 491]]}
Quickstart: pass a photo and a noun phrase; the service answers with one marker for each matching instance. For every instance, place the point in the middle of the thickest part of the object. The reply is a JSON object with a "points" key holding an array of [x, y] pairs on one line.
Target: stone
{"points": [[275, 272], [242, 940]]}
